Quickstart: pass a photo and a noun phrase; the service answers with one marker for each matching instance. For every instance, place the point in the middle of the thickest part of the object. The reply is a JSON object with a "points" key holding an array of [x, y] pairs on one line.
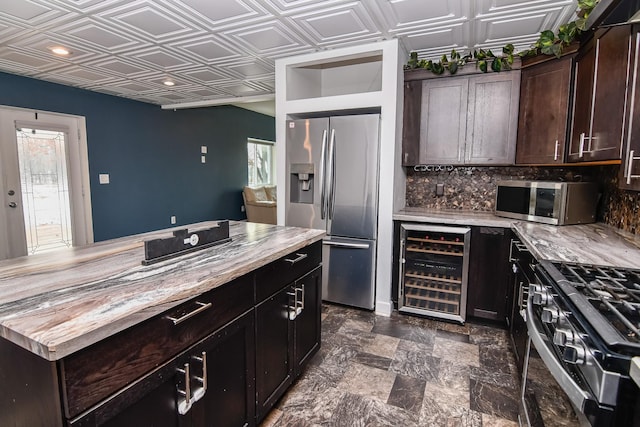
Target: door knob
{"points": [[13, 204]]}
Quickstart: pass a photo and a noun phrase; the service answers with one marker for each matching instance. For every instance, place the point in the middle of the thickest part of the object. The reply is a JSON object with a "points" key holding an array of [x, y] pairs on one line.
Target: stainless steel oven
{"points": [[582, 322]]}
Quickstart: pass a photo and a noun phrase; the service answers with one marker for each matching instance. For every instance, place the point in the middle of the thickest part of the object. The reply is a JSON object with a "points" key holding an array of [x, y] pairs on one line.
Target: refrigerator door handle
{"points": [[323, 161], [332, 174], [346, 245]]}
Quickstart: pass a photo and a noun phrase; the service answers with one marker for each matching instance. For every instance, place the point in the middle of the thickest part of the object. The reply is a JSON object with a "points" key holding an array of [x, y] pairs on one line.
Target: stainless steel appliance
{"points": [[584, 322], [332, 165], [557, 203], [434, 270]]}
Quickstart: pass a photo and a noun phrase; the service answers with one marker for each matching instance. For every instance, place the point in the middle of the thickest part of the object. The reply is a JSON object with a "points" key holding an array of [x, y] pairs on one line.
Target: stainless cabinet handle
{"points": [[299, 257], [13, 204], [201, 391], [581, 149], [555, 154], [346, 245], [630, 166], [202, 307], [184, 403], [293, 309]]}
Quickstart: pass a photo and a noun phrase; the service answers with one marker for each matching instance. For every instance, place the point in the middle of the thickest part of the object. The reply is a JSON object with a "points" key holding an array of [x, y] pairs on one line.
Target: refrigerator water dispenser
{"points": [[301, 185]]}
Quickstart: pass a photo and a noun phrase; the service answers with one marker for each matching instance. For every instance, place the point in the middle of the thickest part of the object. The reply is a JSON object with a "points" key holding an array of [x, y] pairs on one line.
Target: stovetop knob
{"points": [[550, 315], [574, 354], [563, 337], [541, 297]]}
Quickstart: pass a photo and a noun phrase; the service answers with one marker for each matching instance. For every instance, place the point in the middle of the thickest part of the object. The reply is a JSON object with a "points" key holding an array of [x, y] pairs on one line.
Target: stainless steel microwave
{"points": [[557, 203]]}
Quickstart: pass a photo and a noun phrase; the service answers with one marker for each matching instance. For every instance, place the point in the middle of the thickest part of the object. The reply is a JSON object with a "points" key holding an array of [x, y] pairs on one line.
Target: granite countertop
{"points": [[596, 244], [453, 216], [55, 304]]}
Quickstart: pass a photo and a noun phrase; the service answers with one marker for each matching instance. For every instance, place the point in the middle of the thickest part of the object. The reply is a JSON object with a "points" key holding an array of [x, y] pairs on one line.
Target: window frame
{"points": [[272, 165]]}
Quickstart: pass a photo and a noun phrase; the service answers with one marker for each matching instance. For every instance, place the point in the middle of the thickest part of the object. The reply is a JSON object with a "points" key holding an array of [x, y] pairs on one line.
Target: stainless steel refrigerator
{"points": [[332, 185]]}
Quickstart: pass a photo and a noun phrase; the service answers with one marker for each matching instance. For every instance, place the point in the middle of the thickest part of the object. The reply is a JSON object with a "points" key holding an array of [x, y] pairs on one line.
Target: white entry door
{"points": [[44, 181]]}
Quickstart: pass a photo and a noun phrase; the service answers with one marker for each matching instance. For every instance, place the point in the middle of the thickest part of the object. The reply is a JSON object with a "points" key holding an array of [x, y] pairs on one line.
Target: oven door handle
{"points": [[576, 394]]}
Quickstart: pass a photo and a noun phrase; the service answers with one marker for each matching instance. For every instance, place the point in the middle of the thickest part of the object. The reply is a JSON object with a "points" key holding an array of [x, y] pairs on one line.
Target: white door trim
{"points": [[78, 169]]}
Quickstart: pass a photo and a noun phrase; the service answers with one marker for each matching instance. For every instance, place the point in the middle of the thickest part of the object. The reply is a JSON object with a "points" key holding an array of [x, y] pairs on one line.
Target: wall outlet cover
{"points": [[103, 178], [173, 219]]}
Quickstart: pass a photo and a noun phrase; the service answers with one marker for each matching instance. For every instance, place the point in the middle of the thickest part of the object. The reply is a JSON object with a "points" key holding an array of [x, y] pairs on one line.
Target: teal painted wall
{"points": [[152, 155]]}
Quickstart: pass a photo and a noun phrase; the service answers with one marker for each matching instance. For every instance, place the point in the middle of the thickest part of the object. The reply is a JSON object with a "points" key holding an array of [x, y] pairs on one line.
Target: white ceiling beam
{"points": [[220, 101]]}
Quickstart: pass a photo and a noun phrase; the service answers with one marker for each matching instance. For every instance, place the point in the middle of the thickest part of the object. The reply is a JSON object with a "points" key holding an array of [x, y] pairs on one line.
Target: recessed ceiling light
{"points": [[169, 83], [59, 50]]}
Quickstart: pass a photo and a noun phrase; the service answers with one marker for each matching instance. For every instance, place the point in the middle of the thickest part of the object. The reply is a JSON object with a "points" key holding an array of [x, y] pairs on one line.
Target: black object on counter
{"points": [[183, 242]]}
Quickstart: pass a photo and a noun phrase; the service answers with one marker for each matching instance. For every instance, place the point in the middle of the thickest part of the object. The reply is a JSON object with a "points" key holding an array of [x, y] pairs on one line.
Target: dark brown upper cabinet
{"points": [[600, 97], [545, 92], [630, 169]]}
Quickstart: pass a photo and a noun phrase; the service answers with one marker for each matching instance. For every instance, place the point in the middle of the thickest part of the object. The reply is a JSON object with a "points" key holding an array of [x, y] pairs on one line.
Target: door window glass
{"points": [[45, 189]]}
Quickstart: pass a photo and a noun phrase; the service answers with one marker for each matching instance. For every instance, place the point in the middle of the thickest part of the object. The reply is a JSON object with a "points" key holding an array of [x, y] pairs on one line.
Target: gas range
{"points": [[586, 319]]}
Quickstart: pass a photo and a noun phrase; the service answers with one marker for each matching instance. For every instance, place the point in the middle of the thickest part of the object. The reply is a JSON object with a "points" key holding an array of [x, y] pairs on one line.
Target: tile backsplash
{"points": [[474, 188]]}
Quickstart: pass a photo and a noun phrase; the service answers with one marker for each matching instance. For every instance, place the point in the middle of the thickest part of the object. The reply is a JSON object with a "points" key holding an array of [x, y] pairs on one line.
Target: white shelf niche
{"points": [[347, 75]]}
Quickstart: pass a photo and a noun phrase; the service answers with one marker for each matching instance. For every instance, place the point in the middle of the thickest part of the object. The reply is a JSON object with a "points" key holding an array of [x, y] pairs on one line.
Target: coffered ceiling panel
{"points": [[219, 49]]}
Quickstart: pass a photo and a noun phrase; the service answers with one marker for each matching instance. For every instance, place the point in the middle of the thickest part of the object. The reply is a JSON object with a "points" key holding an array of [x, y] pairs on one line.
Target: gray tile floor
{"points": [[403, 371]]}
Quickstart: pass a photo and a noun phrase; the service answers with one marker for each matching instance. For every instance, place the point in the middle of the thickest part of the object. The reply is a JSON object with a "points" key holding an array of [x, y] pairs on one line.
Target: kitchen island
{"points": [[88, 333]]}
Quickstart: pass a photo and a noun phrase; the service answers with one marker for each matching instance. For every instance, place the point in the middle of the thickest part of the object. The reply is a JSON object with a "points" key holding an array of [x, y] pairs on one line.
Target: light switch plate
{"points": [[203, 149], [203, 159], [103, 178]]}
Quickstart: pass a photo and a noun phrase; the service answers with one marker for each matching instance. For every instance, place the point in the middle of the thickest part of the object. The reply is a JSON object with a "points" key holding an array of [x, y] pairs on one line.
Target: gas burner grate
{"points": [[613, 292]]}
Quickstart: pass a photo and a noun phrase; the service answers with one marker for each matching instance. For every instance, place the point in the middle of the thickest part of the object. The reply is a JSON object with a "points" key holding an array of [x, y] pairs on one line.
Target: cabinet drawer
{"points": [[98, 371], [276, 275]]}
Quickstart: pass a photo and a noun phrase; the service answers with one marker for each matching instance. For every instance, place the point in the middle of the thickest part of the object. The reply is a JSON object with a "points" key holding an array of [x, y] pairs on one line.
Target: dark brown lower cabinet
{"points": [[489, 290], [287, 335], [225, 360]]}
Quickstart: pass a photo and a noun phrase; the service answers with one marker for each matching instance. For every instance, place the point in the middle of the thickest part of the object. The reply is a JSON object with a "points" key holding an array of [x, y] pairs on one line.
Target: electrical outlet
{"points": [[242, 208], [439, 190], [173, 219]]}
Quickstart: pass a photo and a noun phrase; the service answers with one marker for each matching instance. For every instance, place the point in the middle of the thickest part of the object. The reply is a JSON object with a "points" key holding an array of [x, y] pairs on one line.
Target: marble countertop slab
{"points": [[58, 303], [596, 244], [453, 217]]}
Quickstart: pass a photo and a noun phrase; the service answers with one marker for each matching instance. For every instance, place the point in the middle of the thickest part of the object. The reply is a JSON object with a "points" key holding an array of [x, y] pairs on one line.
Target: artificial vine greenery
{"points": [[548, 43]]}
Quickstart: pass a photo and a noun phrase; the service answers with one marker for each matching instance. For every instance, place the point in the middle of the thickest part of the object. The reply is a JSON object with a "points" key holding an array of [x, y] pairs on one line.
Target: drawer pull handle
{"points": [[299, 257], [184, 403], [202, 307]]}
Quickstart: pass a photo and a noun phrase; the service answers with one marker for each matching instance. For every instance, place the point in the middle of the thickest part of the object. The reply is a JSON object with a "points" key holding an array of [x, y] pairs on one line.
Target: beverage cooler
{"points": [[434, 263]]}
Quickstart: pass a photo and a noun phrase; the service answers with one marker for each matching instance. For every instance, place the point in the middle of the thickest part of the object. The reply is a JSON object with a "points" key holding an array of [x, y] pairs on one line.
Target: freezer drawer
{"points": [[348, 271]]}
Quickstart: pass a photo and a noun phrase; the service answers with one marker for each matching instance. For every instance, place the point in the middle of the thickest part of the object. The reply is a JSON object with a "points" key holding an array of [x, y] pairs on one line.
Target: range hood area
{"points": [[614, 12]]}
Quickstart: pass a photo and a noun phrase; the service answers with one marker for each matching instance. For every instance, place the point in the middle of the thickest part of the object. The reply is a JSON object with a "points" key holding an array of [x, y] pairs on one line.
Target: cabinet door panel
{"points": [[544, 112], [489, 274], [492, 119], [274, 349], [157, 408], [601, 97], [582, 101], [609, 99], [411, 123], [307, 324], [632, 148], [443, 120], [230, 397]]}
